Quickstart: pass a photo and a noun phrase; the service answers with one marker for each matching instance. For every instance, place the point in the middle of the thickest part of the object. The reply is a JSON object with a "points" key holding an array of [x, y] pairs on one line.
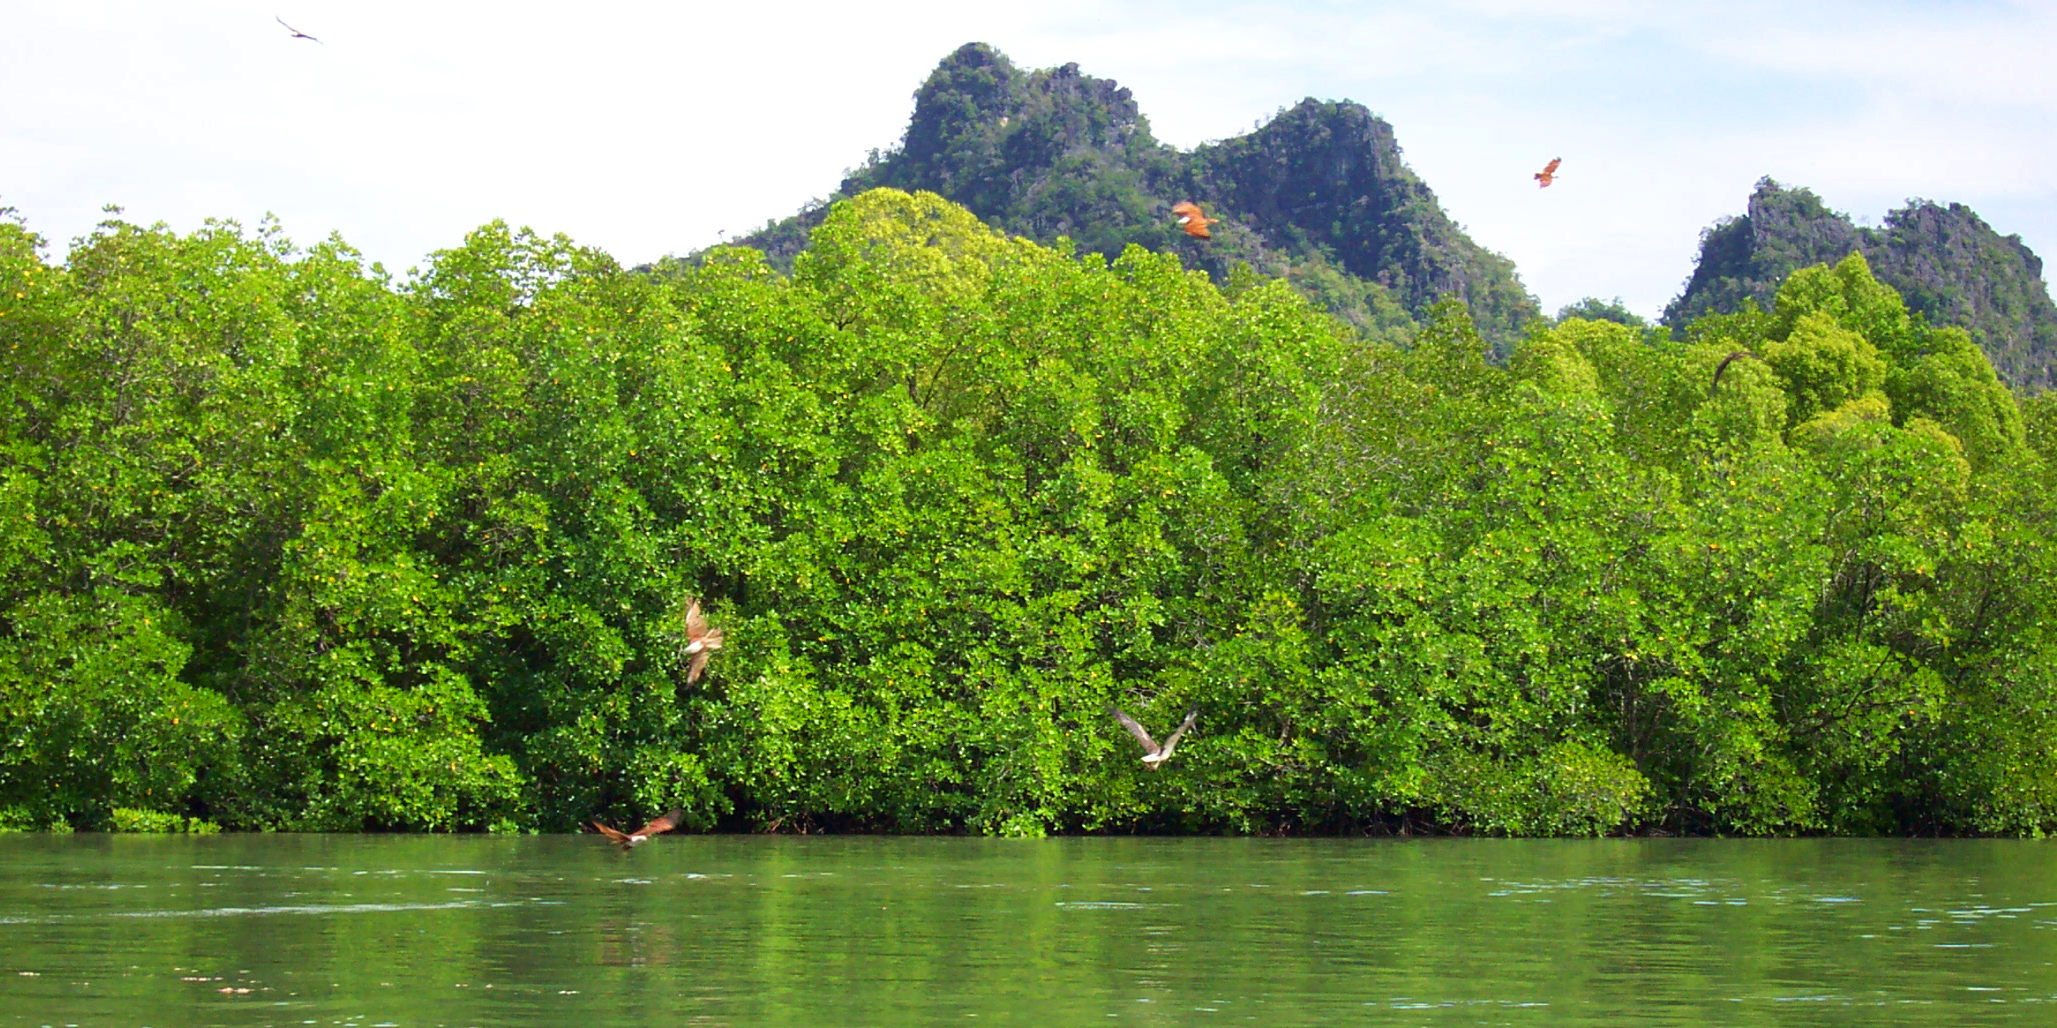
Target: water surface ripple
{"points": [[372, 931]]}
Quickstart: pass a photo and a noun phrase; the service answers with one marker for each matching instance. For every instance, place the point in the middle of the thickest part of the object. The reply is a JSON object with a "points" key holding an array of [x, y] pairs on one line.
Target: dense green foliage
{"points": [[1592, 308], [287, 544], [1946, 263], [1318, 196]]}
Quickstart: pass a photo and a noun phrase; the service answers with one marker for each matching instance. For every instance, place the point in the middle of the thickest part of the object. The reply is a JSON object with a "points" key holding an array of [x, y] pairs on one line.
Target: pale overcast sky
{"points": [[649, 128]]}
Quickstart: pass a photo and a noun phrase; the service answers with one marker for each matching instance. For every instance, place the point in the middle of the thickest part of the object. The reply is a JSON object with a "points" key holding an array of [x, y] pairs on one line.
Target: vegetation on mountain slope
{"points": [[1947, 264], [1319, 196]]}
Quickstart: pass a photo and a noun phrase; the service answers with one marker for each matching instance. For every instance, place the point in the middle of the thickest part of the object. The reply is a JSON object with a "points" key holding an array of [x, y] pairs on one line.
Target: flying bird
{"points": [[1549, 172], [630, 840], [1153, 754], [701, 641], [1192, 220], [1723, 366], [297, 34]]}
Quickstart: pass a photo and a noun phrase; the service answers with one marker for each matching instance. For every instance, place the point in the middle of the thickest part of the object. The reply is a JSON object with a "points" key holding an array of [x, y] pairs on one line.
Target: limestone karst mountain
{"points": [[1945, 261], [1319, 195]]}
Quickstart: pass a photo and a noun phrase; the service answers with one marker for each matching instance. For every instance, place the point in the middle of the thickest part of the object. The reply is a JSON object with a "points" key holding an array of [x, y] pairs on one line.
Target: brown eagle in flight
{"points": [[1549, 172], [701, 641], [297, 34], [1192, 220], [630, 840], [1154, 755]]}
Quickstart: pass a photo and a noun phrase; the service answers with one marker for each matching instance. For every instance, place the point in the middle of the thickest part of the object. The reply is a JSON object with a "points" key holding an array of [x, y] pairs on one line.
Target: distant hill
{"points": [[1319, 196], [1945, 261]]}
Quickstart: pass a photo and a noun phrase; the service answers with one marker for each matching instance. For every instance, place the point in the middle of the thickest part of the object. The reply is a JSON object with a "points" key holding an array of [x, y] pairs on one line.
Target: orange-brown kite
{"points": [[701, 641], [1549, 172], [630, 840], [1190, 219]]}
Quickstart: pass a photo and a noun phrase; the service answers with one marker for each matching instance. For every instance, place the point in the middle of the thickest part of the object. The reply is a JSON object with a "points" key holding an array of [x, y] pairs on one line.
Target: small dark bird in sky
{"points": [[1154, 755], [701, 641], [630, 840], [1192, 220], [1723, 366], [1549, 172], [297, 34]]}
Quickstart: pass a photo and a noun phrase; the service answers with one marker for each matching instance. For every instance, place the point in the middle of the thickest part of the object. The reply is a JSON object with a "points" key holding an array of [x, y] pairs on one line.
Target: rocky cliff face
{"points": [[1328, 178], [1945, 261], [1320, 195], [1950, 265]]}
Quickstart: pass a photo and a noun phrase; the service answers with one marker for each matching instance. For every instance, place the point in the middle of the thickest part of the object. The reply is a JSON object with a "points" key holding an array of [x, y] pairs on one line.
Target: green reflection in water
{"points": [[404, 930]]}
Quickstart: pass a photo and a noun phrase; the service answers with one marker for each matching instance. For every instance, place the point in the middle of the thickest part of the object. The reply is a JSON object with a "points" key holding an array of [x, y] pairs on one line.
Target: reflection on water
{"points": [[382, 930], [318, 908]]}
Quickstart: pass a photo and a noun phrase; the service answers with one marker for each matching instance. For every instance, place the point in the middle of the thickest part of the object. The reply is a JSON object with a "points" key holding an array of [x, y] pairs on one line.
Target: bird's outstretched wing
{"points": [[1172, 743], [614, 835], [297, 34], [666, 822], [1149, 744]]}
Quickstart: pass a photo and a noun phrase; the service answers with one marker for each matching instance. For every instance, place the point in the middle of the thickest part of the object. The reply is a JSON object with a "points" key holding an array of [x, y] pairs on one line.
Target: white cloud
{"points": [[1993, 55]]}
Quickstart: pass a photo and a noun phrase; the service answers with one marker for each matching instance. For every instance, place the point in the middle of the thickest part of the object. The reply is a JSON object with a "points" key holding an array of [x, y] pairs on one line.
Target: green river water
{"points": [[370, 931]]}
